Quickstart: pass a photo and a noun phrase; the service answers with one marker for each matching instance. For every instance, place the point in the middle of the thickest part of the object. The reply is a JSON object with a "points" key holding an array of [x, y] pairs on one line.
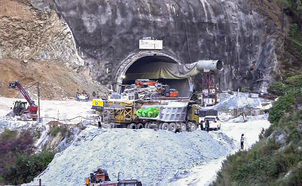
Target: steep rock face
{"points": [[32, 35], [230, 30], [37, 46]]}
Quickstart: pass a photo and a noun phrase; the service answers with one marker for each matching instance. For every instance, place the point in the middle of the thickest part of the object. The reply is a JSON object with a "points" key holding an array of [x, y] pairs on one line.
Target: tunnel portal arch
{"points": [[131, 69]]}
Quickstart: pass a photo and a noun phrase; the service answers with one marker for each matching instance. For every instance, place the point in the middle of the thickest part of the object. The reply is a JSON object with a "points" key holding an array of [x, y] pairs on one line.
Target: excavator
{"points": [[19, 108], [100, 177]]}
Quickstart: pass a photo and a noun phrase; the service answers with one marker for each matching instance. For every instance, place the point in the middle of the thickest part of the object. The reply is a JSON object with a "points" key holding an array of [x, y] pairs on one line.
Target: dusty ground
{"points": [[16, 9], [57, 81]]}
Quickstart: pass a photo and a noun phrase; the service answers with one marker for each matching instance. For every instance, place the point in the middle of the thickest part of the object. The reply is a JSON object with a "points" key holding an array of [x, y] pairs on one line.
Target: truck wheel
{"points": [[132, 126], [139, 126], [160, 126], [183, 127], [172, 127], [192, 126], [164, 126], [147, 125], [23, 117]]}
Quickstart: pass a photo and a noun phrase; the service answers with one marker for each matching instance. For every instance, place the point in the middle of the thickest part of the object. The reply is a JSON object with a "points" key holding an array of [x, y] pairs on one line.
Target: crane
{"points": [[19, 108]]}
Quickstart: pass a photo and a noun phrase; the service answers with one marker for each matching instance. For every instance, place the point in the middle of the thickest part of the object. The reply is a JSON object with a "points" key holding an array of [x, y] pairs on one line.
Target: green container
{"points": [[150, 114], [150, 109], [156, 113], [145, 113], [139, 112]]}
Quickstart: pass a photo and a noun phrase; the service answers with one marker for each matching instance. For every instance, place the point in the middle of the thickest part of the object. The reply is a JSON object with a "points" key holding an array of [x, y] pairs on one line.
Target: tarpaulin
{"points": [[164, 70]]}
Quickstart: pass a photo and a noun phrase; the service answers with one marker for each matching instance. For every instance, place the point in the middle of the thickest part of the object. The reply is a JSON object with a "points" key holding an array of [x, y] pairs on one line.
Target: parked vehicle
{"points": [[82, 96], [214, 122], [172, 115], [100, 178], [210, 115], [20, 108], [154, 105]]}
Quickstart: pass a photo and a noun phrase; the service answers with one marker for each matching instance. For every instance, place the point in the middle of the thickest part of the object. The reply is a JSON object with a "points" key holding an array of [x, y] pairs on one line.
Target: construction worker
{"points": [[207, 125], [242, 141], [244, 117], [99, 122]]}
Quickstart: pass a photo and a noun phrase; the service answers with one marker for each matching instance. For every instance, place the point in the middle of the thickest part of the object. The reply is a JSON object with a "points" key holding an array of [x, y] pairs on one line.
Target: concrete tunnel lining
{"points": [[133, 65]]}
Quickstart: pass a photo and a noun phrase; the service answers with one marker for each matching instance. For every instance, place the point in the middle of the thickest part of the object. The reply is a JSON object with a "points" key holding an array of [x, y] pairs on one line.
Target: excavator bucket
{"points": [[12, 85]]}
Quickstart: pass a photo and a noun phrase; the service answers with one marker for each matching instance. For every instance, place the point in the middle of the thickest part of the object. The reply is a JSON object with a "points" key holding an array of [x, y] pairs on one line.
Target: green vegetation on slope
{"points": [[17, 164], [290, 92], [277, 158]]}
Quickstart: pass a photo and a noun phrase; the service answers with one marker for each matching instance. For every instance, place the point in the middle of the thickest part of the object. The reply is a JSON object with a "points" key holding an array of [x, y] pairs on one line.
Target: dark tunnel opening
{"points": [[150, 67]]}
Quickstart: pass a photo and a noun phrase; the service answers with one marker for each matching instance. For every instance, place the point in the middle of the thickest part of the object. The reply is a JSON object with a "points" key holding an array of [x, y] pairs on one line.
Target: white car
{"points": [[82, 97], [214, 122]]}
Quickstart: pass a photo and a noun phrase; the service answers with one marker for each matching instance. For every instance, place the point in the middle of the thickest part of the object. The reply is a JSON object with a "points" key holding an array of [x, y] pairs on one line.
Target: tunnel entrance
{"points": [[154, 67]]}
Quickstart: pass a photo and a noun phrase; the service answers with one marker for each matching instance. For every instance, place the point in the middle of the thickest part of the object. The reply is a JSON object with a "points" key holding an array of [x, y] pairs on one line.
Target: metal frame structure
{"points": [[209, 90]]}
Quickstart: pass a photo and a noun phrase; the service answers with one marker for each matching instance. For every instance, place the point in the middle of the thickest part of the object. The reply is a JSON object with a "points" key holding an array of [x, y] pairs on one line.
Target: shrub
{"points": [[8, 134], [13, 145], [54, 131], [268, 131], [294, 81], [295, 136], [294, 177], [277, 88], [293, 30], [27, 167], [282, 105]]}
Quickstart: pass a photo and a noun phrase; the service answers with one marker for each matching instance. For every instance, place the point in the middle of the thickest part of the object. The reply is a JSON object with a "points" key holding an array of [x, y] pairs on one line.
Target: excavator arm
{"points": [[32, 109], [23, 91]]}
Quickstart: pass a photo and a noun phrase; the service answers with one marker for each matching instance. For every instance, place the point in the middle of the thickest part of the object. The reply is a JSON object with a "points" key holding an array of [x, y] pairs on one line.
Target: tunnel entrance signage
{"points": [[146, 44]]}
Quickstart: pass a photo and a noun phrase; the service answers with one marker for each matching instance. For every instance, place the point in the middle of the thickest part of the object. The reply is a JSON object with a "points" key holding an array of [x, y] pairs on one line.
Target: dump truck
{"points": [[138, 108], [174, 115]]}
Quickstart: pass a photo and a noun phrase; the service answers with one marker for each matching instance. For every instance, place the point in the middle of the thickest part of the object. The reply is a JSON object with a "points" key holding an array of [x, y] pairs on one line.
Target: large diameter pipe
{"points": [[209, 65]]}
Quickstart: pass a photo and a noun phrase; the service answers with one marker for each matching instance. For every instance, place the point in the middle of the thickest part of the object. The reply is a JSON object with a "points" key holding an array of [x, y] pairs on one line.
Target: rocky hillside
{"points": [[39, 46], [277, 158], [250, 37], [57, 81], [35, 32]]}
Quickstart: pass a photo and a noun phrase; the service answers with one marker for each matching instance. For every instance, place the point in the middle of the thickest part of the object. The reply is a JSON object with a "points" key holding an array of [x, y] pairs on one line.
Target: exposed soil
{"points": [[56, 80], [28, 39]]}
